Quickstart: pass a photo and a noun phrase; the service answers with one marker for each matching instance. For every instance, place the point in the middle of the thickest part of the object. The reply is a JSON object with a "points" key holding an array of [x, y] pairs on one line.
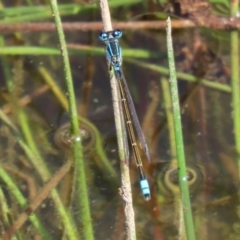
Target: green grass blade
{"points": [[80, 185], [182, 173]]}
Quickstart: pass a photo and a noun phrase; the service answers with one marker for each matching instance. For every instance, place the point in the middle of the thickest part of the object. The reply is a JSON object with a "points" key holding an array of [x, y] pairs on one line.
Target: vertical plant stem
{"points": [[182, 173], [172, 139], [169, 114], [80, 184], [235, 80], [125, 192]]}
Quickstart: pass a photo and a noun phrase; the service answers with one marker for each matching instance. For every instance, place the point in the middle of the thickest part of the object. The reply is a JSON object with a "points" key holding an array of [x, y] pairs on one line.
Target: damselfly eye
{"points": [[117, 33], [103, 36]]}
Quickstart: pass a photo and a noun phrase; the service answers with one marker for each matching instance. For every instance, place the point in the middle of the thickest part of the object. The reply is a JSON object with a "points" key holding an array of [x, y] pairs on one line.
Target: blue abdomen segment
{"points": [[145, 189]]}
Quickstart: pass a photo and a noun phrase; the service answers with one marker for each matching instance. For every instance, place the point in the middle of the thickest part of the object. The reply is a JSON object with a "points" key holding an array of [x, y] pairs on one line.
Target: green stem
{"points": [[79, 171], [169, 114], [183, 76], [182, 173], [235, 80]]}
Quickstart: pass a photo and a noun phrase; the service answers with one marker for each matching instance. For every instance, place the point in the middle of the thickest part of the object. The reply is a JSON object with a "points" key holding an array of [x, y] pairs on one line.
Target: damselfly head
{"points": [[105, 36]]}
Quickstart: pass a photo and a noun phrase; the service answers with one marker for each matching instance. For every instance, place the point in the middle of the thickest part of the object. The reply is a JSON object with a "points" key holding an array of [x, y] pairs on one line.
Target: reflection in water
{"points": [[63, 138], [168, 182], [168, 196], [211, 203]]}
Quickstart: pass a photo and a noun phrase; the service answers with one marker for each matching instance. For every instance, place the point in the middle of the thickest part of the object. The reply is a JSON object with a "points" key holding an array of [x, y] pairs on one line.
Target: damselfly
{"points": [[114, 56]]}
